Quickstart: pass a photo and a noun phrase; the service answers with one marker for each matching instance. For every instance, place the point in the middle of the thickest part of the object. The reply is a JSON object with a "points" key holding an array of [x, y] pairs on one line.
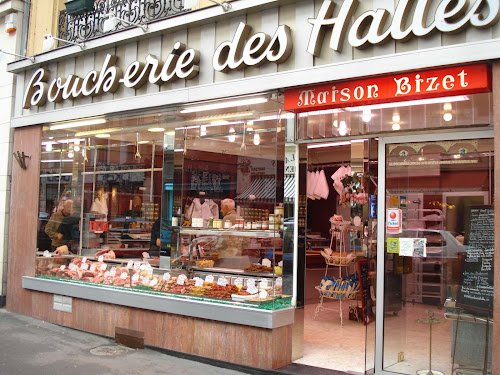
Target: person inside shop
{"points": [[204, 208], [228, 209], [100, 204], [155, 242], [70, 231], [52, 227]]}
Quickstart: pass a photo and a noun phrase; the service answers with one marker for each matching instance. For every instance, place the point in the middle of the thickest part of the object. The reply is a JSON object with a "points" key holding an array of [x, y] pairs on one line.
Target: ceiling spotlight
{"points": [[447, 107], [76, 148], [396, 117], [112, 22], [49, 40], [103, 135], [156, 130], [256, 139], [342, 128], [396, 126], [335, 123], [48, 146], [231, 137], [367, 115], [203, 130], [447, 116], [71, 154]]}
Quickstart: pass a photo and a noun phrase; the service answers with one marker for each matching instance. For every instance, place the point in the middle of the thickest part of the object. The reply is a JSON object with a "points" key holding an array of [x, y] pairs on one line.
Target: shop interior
{"points": [[435, 185]]}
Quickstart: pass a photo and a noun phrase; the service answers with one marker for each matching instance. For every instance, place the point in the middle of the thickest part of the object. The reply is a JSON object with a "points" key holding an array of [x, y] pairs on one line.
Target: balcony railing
{"points": [[78, 28]]}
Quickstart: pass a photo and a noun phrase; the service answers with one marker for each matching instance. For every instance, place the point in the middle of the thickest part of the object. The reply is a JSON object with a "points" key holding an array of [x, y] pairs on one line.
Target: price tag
{"points": [[84, 260], [279, 281], [198, 282], [252, 289], [222, 281], [104, 266], [142, 267], [107, 274], [263, 283], [72, 266], [135, 277], [130, 264], [145, 255], [266, 262], [153, 282], [250, 282], [123, 276], [92, 267], [166, 276], [181, 279], [280, 263], [84, 266], [112, 273], [149, 267], [47, 254], [262, 294], [150, 273], [238, 281], [137, 264], [145, 281], [101, 258], [209, 279], [62, 267]]}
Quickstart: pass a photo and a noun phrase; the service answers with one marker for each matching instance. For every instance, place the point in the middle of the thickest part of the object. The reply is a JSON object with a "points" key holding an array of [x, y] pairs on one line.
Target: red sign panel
{"points": [[470, 79]]}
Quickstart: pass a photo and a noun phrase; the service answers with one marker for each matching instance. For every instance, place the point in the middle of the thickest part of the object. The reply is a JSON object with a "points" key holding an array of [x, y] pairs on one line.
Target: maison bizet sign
{"points": [[410, 18]]}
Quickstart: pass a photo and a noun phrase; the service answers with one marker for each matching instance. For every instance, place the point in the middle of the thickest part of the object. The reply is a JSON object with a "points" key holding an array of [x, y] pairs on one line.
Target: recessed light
{"points": [[103, 135], [156, 130]]}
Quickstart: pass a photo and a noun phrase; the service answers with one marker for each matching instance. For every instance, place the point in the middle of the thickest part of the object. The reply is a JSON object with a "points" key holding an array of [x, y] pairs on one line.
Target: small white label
{"points": [[84, 266], [209, 279], [153, 282], [198, 282], [252, 289], [130, 264], [145, 255], [250, 282], [280, 263], [181, 279], [123, 276], [92, 267], [222, 281], [279, 281], [263, 283], [72, 266], [166, 276], [137, 264], [145, 281], [62, 268], [84, 259], [112, 273], [101, 258], [266, 262], [238, 281], [104, 266], [142, 267], [107, 274], [47, 254], [135, 277], [150, 273], [262, 294]]}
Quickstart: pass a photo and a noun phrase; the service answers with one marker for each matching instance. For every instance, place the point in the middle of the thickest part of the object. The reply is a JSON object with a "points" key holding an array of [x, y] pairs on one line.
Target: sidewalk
{"points": [[33, 347]]}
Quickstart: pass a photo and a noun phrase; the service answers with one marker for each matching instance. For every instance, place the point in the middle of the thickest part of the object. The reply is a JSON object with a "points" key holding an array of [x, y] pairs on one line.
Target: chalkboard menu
{"points": [[364, 288], [476, 291]]}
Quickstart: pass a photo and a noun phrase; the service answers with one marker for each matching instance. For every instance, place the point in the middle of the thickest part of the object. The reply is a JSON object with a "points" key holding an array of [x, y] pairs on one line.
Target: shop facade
{"points": [[160, 127]]}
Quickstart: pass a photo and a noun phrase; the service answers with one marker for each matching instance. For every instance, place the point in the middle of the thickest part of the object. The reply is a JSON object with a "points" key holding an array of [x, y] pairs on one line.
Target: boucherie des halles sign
{"points": [[410, 18], [470, 79]]}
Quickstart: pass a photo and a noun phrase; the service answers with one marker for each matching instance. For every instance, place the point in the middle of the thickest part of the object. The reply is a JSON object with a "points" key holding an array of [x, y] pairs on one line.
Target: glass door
{"points": [[437, 224]]}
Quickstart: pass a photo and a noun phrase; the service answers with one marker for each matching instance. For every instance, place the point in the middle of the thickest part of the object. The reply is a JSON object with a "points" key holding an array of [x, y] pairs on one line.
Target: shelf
{"points": [[233, 232], [232, 271]]}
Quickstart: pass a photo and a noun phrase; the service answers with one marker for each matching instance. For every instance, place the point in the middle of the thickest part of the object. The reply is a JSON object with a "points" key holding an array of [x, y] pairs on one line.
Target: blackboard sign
{"points": [[364, 289], [476, 292]]}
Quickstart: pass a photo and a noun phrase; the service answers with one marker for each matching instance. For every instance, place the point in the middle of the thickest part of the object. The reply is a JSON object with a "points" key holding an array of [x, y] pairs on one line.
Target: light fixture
{"points": [[76, 145], [70, 154], [342, 128], [447, 106], [31, 58], [226, 104], [103, 135], [219, 122], [396, 126], [367, 115], [75, 124], [396, 117], [156, 130], [56, 161], [256, 139], [447, 116], [410, 103], [457, 156], [336, 123], [318, 113], [11, 23], [335, 144], [49, 40], [189, 4], [48, 146], [231, 137], [276, 117], [112, 22], [250, 126], [203, 130]]}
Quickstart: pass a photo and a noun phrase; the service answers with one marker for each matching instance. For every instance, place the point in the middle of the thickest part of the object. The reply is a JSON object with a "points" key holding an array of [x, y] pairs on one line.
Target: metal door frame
{"points": [[383, 142]]}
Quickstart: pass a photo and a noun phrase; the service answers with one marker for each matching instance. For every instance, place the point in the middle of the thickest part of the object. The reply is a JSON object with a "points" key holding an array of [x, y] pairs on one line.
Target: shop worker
{"points": [[55, 221], [229, 212]]}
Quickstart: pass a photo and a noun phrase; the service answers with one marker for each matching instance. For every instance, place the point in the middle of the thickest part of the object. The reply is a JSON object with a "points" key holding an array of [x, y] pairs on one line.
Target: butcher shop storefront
{"points": [[307, 178]]}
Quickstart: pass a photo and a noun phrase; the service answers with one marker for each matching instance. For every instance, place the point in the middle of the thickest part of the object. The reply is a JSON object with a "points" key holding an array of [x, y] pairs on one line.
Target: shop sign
{"points": [[463, 80], [393, 220], [410, 18]]}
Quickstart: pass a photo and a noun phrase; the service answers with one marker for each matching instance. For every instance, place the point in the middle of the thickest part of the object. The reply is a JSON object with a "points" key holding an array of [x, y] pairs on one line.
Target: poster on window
{"points": [[393, 223]]}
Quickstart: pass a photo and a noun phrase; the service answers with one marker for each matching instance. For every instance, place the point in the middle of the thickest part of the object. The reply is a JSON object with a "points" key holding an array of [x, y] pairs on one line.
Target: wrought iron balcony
{"points": [[86, 26]]}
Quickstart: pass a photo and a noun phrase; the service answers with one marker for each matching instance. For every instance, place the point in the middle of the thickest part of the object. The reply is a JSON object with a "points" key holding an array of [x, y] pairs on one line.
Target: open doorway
{"points": [[340, 251]]}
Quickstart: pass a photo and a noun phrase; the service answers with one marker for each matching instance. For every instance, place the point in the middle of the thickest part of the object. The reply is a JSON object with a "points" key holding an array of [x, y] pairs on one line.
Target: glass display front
{"points": [[188, 201]]}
